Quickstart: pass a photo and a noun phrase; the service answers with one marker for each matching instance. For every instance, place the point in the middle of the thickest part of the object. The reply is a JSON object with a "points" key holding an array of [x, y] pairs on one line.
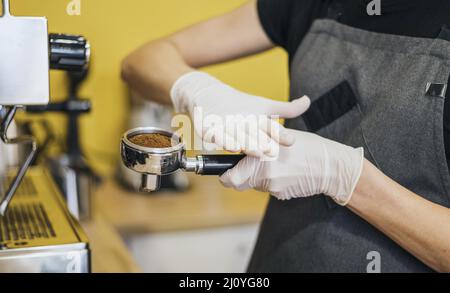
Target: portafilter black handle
{"points": [[218, 164]]}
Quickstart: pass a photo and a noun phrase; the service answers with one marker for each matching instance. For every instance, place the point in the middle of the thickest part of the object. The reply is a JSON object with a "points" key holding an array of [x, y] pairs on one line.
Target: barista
{"points": [[365, 173]]}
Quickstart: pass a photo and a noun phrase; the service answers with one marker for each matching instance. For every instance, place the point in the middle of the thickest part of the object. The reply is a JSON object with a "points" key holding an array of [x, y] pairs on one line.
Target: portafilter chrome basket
{"points": [[153, 163]]}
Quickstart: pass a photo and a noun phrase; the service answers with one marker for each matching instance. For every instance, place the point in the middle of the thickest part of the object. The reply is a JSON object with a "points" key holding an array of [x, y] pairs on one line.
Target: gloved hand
{"points": [[313, 165], [232, 113]]}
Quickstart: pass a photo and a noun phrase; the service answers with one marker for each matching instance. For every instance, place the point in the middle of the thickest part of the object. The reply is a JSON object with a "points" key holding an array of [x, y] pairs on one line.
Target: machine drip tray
{"points": [[24, 223], [38, 234]]}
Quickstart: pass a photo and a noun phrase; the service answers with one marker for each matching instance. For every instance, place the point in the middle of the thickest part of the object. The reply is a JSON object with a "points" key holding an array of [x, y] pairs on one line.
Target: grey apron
{"points": [[378, 91]]}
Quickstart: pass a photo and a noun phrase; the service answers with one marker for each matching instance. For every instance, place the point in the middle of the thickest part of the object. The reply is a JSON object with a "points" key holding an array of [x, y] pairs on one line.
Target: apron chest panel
{"points": [[382, 81]]}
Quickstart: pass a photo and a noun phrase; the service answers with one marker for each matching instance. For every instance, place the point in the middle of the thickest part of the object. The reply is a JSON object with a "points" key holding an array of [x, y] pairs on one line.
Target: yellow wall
{"points": [[114, 28]]}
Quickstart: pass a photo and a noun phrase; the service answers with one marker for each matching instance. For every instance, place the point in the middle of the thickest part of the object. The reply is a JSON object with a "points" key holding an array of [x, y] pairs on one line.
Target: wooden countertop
{"points": [[207, 204], [109, 253]]}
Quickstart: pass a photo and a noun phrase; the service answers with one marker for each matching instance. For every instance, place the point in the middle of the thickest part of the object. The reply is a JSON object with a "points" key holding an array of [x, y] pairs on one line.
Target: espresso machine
{"points": [[37, 231]]}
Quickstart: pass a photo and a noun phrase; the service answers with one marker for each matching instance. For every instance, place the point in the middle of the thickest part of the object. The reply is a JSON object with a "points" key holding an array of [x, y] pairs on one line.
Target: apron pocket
{"points": [[330, 107], [337, 116]]}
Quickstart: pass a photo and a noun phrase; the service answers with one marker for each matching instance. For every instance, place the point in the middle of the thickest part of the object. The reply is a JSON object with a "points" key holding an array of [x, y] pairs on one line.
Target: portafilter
{"points": [[155, 162]]}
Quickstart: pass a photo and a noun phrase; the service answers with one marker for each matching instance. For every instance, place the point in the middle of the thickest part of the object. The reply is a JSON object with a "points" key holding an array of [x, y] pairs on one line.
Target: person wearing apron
{"points": [[361, 181]]}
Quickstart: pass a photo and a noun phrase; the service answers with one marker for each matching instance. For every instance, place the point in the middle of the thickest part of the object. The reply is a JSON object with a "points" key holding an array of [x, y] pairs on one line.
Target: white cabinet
{"points": [[220, 250]]}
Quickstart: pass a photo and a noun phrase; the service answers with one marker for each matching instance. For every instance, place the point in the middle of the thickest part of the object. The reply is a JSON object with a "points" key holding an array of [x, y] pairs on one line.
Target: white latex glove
{"points": [[313, 165], [197, 90]]}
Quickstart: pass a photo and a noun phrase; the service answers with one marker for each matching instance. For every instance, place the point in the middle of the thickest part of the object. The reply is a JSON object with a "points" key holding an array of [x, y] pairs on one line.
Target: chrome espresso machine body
{"points": [[37, 231]]}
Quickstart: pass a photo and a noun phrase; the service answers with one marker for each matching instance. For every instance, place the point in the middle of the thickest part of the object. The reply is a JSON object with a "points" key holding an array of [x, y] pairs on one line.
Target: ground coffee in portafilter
{"points": [[152, 140]]}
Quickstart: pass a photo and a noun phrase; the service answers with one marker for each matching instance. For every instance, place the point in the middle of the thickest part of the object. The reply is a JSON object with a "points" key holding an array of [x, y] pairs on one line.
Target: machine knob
{"points": [[69, 52]]}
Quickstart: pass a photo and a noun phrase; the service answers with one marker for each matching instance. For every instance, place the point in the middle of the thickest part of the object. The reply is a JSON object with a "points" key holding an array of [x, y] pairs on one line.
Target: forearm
{"points": [[152, 70], [418, 225]]}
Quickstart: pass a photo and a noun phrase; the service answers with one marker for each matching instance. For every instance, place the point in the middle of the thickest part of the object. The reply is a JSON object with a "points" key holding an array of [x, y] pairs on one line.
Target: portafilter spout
{"points": [[155, 162], [150, 183]]}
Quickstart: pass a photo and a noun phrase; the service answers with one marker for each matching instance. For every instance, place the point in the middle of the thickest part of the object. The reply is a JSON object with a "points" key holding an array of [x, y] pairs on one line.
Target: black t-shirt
{"points": [[286, 23]]}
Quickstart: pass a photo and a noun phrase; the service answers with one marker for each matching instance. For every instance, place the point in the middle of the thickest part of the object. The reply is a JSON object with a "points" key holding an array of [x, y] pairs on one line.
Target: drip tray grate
{"points": [[25, 222]]}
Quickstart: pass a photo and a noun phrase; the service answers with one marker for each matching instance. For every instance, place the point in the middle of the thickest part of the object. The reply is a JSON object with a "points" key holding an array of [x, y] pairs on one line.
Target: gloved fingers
{"points": [[240, 135], [259, 140], [277, 132], [239, 176], [249, 145], [267, 146], [290, 109], [257, 136], [253, 138], [244, 137], [219, 137]]}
